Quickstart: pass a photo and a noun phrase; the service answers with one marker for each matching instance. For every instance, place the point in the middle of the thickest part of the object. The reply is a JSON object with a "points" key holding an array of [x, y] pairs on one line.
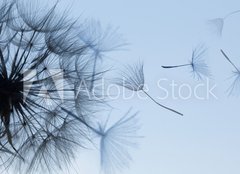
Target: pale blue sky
{"points": [[207, 139]]}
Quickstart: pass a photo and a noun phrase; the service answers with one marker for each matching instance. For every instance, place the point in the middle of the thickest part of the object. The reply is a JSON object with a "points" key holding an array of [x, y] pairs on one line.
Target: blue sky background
{"points": [[207, 139]]}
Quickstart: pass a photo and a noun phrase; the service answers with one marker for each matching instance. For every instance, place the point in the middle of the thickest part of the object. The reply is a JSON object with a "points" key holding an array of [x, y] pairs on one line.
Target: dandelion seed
{"points": [[217, 24], [234, 88], [116, 141], [133, 79], [101, 41], [199, 68]]}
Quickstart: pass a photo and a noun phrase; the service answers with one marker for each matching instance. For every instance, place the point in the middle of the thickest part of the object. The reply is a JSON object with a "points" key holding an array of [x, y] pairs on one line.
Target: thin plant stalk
{"points": [[228, 59], [177, 66], [94, 70], [230, 14], [165, 107]]}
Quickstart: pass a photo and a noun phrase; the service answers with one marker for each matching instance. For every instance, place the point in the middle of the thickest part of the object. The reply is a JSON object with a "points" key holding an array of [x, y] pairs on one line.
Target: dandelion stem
{"points": [[16, 56], [94, 70], [228, 59], [4, 69], [230, 14], [176, 66], [161, 104]]}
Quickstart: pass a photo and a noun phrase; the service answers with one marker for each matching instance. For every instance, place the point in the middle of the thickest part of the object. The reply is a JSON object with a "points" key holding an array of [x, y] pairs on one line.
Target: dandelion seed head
{"points": [[41, 117], [46, 113]]}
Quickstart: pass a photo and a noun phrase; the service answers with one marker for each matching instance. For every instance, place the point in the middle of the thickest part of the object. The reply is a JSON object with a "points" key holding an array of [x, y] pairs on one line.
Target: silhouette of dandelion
{"points": [[199, 68], [45, 111], [133, 79], [48, 101], [234, 88]]}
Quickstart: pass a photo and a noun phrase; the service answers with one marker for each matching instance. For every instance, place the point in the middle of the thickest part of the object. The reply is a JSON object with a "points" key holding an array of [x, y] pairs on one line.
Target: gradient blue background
{"points": [[207, 139]]}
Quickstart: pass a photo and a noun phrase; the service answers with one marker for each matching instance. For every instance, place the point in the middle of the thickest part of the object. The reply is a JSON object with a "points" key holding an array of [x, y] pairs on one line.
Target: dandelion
{"points": [[133, 79], [44, 118], [217, 24], [199, 68], [234, 88]]}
